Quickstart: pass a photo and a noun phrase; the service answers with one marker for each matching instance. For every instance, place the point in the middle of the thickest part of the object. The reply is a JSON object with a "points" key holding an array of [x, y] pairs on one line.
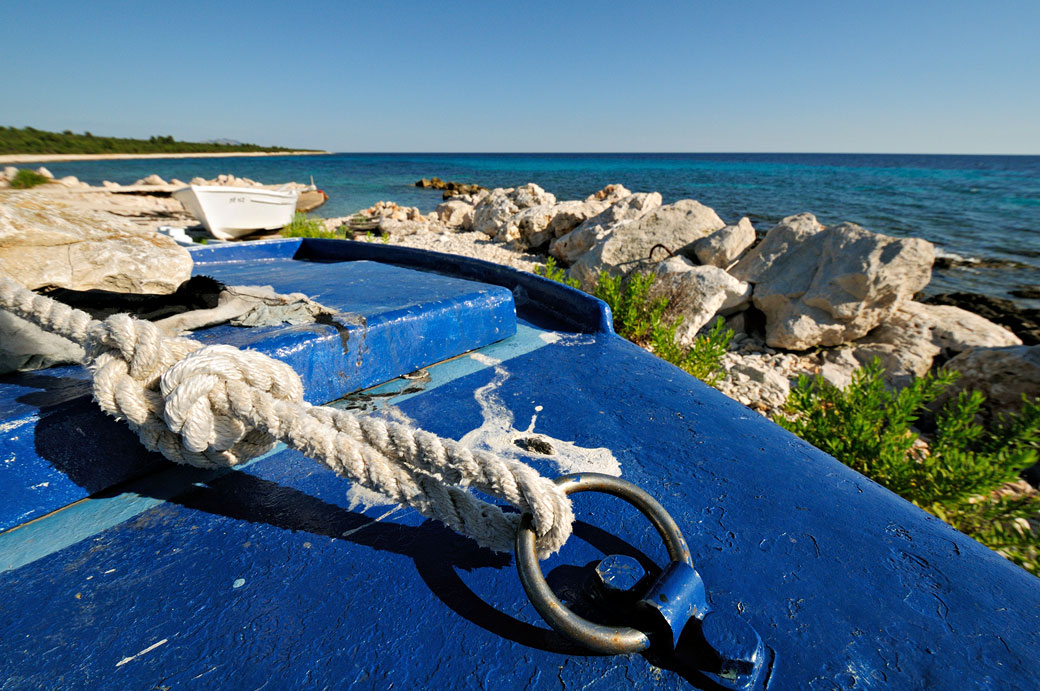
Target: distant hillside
{"points": [[29, 140]]}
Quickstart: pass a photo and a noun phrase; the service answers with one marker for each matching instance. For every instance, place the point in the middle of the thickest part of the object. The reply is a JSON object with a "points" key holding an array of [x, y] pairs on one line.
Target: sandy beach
{"points": [[7, 159]]}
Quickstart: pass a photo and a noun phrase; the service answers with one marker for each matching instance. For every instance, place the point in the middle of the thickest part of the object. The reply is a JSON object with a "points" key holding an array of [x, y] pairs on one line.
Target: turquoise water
{"points": [[973, 207]]}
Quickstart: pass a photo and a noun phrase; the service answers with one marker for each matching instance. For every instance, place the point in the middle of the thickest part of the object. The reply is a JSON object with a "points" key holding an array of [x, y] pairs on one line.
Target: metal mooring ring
{"points": [[613, 640]]}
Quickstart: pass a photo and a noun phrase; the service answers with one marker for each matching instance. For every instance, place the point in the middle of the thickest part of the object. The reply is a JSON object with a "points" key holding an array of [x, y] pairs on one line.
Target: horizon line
{"points": [[677, 153]]}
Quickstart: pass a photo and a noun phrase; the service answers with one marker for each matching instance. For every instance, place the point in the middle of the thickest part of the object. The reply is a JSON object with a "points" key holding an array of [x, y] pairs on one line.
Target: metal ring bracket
{"points": [[613, 640]]}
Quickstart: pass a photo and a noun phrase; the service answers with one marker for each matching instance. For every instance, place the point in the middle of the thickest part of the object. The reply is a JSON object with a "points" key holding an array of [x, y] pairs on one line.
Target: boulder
{"points": [[630, 208], [627, 246], [571, 246], [530, 195], [70, 181], [724, 246], [831, 286], [697, 294], [151, 180], [904, 347], [492, 212], [530, 227], [456, 213], [955, 330], [1001, 374], [838, 366], [1023, 321], [10, 172], [566, 216], [45, 243], [45, 173], [609, 194], [397, 227], [765, 376], [783, 240]]}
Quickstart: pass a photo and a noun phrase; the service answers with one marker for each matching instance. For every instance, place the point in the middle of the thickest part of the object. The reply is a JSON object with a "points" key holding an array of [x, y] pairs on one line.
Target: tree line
{"points": [[29, 140]]}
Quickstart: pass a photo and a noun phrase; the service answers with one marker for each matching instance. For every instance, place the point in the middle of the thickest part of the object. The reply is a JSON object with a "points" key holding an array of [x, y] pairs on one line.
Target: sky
{"points": [[693, 76]]}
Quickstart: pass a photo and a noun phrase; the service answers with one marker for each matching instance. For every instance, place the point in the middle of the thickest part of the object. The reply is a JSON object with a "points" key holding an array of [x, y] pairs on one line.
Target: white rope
{"points": [[215, 406]]}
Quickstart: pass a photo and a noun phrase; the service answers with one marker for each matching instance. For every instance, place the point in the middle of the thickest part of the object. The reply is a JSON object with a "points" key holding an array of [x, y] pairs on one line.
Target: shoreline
{"points": [[52, 158]]}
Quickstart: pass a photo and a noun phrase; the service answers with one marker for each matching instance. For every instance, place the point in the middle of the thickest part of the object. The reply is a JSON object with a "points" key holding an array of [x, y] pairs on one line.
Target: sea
{"points": [[981, 212]]}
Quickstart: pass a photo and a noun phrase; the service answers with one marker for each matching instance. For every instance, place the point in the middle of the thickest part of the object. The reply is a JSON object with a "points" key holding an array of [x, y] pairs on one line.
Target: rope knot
{"points": [[212, 406], [177, 394], [204, 394]]}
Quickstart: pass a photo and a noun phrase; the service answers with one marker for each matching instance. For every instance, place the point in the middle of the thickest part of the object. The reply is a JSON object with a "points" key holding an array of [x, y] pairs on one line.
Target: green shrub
{"points": [[25, 178], [640, 319], [870, 429], [303, 227], [555, 273]]}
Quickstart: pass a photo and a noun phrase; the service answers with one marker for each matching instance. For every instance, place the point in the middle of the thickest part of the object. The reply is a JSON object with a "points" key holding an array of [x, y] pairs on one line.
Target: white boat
{"points": [[231, 212]]}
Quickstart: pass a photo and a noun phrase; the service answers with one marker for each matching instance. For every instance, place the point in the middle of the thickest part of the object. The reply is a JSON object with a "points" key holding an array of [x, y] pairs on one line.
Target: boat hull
{"points": [[281, 569], [233, 212]]}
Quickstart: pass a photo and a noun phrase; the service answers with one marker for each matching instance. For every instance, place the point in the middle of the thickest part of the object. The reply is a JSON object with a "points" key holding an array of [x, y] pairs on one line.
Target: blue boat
{"points": [[722, 550]]}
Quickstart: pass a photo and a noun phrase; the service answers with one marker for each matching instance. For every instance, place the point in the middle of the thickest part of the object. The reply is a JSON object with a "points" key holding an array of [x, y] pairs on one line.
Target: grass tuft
{"points": [[25, 178], [303, 227]]}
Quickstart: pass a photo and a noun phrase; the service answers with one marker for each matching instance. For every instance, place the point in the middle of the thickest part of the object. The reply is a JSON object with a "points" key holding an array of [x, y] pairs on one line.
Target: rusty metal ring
{"points": [[613, 640]]}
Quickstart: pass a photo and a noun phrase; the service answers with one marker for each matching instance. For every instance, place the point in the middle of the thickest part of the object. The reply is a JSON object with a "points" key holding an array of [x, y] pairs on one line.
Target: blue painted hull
{"points": [[276, 575]]}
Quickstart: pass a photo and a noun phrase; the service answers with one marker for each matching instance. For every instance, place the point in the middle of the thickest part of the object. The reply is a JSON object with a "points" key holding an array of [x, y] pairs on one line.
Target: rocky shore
{"points": [[801, 298], [146, 203]]}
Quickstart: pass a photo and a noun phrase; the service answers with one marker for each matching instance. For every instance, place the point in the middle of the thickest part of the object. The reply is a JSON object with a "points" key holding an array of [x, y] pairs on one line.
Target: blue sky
{"points": [[915, 77]]}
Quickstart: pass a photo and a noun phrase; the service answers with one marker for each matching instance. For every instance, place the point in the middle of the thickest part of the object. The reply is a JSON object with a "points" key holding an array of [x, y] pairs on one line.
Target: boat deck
{"points": [[281, 574]]}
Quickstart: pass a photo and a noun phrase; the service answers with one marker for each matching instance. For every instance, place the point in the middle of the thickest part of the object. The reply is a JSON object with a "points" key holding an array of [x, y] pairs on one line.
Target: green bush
{"points": [[870, 428], [25, 178], [555, 273], [303, 227], [640, 319]]}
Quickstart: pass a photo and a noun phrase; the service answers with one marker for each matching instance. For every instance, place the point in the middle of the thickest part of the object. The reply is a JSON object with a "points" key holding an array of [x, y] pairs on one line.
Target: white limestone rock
{"points": [[724, 246], [43, 242], [627, 246], [491, 214], [763, 375], [530, 226], [955, 330], [45, 173], [1001, 374], [151, 180], [697, 294], [529, 195], [904, 347], [831, 286], [609, 194], [838, 366], [456, 213], [571, 246], [566, 216], [398, 227], [783, 240]]}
